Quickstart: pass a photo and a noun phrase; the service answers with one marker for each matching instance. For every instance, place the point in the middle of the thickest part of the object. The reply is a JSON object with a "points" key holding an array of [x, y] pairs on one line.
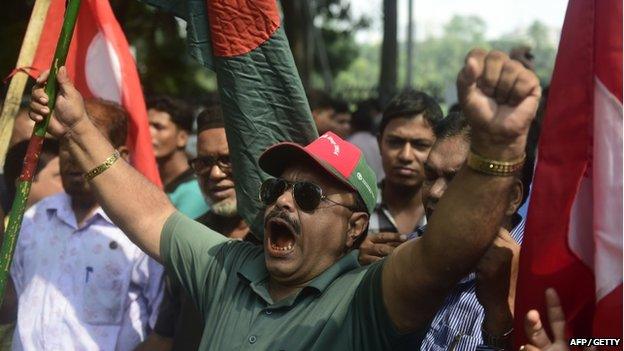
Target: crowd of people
{"points": [[398, 228]]}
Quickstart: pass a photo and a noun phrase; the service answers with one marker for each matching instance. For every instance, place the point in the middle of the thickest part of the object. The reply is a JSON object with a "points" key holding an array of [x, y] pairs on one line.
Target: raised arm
{"points": [[137, 206], [499, 97]]}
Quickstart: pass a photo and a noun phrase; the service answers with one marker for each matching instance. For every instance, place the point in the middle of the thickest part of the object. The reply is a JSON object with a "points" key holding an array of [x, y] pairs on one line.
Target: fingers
{"points": [[473, 68], [509, 74], [379, 246], [388, 237], [526, 84], [497, 76], [65, 84], [504, 239], [39, 99], [368, 259], [535, 330], [556, 317], [43, 77], [529, 347], [381, 250], [493, 66], [474, 64], [504, 234]]}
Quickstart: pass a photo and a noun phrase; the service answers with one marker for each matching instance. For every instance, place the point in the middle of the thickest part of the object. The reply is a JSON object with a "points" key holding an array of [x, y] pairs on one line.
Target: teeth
{"points": [[285, 248]]}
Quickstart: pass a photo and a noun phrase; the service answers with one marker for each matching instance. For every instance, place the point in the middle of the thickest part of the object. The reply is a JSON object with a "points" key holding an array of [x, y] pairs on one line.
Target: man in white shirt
{"points": [[81, 283]]}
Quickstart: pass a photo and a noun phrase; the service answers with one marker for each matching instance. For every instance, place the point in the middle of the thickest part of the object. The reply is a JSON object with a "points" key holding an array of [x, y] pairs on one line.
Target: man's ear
{"points": [[181, 138], [515, 197], [358, 222], [124, 152]]}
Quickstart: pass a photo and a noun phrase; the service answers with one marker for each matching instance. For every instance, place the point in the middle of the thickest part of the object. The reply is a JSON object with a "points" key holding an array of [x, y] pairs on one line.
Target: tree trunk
{"points": [[297, 28], [410, 45], [389, 53]]}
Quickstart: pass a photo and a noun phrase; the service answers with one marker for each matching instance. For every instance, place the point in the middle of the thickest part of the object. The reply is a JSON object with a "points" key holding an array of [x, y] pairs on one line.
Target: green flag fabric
{"points": [[261, 93]]}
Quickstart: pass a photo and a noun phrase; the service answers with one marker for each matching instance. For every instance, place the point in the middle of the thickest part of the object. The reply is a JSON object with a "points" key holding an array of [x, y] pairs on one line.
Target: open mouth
{"points": [[282, 237]]}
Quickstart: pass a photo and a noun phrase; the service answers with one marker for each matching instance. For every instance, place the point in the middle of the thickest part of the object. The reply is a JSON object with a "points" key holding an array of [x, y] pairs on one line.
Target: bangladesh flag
{"points": [[261, 93]]}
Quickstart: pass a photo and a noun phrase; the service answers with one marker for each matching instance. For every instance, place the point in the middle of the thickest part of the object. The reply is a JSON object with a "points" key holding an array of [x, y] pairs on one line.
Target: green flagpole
{"points": [[34, 147]]}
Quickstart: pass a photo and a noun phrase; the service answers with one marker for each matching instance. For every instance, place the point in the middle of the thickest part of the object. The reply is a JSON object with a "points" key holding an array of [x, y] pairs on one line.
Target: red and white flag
{"points": [[100, 65], [573, 239]]}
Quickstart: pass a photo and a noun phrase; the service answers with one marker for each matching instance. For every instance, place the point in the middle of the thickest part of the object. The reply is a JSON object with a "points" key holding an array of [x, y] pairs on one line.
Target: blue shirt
{"points": [[457, 325], [186, 196]]}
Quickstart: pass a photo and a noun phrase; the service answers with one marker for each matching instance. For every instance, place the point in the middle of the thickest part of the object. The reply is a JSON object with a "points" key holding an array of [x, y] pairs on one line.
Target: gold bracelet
{"points": [[103, 167], [493, 167]]}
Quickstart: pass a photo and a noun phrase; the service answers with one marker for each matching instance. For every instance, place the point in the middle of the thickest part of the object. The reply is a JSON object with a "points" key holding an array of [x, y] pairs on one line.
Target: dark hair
{"points": [[319, 99], [180, 113], [341, 106], [454, 124], [362, 118], [456, 107], [15, 160], [210, 117], [109, 116], [408, 104]]}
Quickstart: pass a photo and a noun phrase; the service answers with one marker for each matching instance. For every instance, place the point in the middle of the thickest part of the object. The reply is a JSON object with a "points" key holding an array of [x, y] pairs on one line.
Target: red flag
{"points": [[100, 64], [573, 239]]}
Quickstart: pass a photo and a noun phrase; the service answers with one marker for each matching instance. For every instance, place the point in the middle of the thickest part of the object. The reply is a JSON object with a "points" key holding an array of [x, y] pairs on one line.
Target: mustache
{"points": [[277, 214]]}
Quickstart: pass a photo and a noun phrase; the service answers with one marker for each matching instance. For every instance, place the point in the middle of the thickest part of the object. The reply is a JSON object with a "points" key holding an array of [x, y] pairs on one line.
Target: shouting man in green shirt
{"points": [[304, 289]]}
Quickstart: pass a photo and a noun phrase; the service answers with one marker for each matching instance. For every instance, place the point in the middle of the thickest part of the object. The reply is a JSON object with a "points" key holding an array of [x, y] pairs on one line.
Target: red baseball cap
{"points": [[335, 156]]}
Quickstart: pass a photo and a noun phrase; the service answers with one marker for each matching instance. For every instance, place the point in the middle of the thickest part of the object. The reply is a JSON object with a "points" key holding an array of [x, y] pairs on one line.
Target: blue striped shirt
{"points": [[457, 325]]}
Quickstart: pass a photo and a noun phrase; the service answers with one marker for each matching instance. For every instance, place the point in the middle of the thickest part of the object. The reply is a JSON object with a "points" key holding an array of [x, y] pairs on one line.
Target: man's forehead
{"points": [[212, 141], [409, 127], [448, 153], [158, 115]]}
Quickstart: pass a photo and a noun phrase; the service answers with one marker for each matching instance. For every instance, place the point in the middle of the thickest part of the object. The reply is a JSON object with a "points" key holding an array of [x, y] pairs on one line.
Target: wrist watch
{"points": [[499, 342]]}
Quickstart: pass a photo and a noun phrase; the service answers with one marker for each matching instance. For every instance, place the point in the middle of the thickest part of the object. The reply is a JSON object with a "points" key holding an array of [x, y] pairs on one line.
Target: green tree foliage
{"points": [[438, 58], [338, 28], [159, 46], [159, 42], [157, 39], [321, 35]]}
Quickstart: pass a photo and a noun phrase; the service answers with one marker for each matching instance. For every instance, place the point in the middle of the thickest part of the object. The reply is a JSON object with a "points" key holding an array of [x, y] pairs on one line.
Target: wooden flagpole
{"points": [[34, 147], [14, 94]]}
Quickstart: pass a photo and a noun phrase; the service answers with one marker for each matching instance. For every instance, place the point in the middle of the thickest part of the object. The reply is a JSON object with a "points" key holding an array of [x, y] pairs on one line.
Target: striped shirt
{"points": [[457, 325]]}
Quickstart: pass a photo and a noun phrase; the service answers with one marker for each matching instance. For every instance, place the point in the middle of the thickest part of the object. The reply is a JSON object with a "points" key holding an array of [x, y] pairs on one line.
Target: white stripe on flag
{"points": [[595, 234]]}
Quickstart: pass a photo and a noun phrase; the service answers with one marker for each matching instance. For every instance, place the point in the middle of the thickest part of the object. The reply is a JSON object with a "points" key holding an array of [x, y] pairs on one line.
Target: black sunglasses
{"points": [[307, 195], [204, 164]]}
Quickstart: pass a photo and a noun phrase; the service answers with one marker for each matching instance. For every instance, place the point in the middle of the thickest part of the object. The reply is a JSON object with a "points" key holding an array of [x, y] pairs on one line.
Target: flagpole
{"points": [[14, 94], [34, 147]]}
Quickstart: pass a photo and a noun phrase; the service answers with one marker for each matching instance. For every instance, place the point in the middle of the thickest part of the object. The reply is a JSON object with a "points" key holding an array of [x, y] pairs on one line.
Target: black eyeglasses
{"points": [[204, 164], [307, 195]]}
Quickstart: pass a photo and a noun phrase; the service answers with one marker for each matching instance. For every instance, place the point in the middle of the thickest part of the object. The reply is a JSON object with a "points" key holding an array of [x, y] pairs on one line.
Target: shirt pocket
{"points": [[106, 290]]}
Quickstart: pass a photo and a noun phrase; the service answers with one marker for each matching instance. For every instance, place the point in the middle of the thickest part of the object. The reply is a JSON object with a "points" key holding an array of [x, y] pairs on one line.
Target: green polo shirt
{"points": [[341, 309]]}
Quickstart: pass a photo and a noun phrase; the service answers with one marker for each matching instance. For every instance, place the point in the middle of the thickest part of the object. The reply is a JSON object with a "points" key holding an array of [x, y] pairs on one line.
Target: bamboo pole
{"points": [[13, 98], [34, 147]]}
